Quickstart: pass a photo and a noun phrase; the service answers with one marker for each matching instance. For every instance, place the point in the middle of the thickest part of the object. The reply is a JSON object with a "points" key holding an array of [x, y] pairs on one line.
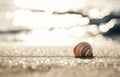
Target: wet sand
{"points": [[58, 61]]}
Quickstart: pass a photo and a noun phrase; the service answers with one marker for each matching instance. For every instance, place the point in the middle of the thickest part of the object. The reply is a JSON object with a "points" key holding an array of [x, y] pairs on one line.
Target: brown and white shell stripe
{"points": [[83, 49]]}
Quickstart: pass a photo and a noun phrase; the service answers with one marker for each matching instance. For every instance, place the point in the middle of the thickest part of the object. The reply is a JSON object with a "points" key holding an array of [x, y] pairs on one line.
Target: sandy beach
{"points": [[58, 61]]}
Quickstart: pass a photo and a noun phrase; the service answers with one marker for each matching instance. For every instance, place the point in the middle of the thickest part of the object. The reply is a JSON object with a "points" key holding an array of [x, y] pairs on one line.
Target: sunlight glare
{"points": [[94, 13], [94, 29], [106, 27], [78, 31], [47, 5], [44, 20], [9, 15], [67, 28], [21, 17], [52, 38]]}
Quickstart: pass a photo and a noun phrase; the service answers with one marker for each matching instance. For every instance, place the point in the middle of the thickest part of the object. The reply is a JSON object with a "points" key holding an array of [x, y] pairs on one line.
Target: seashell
{"points": [[83, 49]]}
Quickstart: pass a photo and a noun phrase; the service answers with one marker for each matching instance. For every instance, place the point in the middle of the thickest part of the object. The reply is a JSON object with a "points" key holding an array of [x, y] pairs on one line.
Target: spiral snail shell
{"points": [[83, 49]]}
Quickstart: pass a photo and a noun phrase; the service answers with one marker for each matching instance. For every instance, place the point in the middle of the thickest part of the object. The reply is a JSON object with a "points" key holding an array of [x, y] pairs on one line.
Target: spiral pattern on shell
{"points": [[83, 49]]}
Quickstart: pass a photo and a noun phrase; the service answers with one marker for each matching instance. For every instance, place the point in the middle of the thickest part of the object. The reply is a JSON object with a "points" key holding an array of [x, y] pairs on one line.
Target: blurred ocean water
{"points": [[59, 22]]}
